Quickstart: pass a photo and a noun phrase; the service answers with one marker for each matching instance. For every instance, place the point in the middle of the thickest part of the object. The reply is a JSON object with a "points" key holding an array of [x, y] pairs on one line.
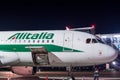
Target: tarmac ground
{"points": [[60, 76]]}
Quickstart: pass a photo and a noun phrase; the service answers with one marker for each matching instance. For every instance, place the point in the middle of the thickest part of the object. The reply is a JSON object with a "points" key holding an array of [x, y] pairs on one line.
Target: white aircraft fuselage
{"points": [[53, 48]]}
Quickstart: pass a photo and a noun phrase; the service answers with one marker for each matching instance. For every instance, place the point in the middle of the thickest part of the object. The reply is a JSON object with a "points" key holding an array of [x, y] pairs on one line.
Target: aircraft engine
{"points": [[7, 59], [23, 70]]}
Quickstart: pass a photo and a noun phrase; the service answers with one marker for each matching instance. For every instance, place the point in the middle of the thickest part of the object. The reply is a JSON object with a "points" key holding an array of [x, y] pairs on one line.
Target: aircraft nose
{"points": [[113, 53]]}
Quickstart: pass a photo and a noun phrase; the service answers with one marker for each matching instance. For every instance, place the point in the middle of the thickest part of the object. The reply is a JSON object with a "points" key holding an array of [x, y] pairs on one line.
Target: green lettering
{"points": [[44, 35], [35, 36], [40, 37], [49, 36], [20, 35], [28, 36], [23, 37], [14, 36]]}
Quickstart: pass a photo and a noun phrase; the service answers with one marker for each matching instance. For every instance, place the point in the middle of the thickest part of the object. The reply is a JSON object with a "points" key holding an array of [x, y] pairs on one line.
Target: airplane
{"points": [[25, 50]]}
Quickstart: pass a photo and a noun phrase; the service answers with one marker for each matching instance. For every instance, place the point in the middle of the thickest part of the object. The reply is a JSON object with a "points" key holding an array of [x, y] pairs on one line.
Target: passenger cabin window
{"points": [[24, 41], [47, 41], [28, 41], [19, 41], [88, 40], [42, 41], [33, 41], [38, 41], [52, 41]]}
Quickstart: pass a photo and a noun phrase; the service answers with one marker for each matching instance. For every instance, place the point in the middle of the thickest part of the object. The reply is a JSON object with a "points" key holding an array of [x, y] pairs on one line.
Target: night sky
{"points": [[55, 15]]}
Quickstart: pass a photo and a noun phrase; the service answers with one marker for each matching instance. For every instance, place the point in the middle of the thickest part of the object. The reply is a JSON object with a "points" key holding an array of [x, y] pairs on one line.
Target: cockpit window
{"points": [[88, 40], [100, 41], [94, 41]]}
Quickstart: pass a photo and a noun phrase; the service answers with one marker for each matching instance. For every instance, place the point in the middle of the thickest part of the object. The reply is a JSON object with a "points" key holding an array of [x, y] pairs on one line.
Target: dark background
{"points": [[56, 15]]}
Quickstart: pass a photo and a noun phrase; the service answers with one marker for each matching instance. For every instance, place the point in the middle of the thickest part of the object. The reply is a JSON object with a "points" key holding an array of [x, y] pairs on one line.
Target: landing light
{"points": [[114, 63]]}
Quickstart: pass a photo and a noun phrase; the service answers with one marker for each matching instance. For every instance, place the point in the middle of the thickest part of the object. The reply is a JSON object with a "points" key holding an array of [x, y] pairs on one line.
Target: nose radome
{"points": [[113, 53]]}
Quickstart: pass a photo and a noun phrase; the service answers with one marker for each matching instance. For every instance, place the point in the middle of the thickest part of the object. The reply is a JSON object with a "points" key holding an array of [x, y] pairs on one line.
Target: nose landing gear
{"points": [[70, 75]]}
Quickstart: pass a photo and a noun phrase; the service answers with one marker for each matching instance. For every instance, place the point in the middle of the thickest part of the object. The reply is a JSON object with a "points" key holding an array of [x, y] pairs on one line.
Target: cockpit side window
{"points": [[94, 41], [88, 40]]}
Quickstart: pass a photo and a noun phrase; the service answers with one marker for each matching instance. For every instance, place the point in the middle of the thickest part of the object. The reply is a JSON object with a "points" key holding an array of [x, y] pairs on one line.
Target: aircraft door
{"points": [[68, 41], [40, 56]]}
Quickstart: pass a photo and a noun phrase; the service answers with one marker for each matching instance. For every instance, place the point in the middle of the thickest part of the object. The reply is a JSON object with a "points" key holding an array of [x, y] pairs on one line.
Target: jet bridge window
{"points": [[88, 40]]}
